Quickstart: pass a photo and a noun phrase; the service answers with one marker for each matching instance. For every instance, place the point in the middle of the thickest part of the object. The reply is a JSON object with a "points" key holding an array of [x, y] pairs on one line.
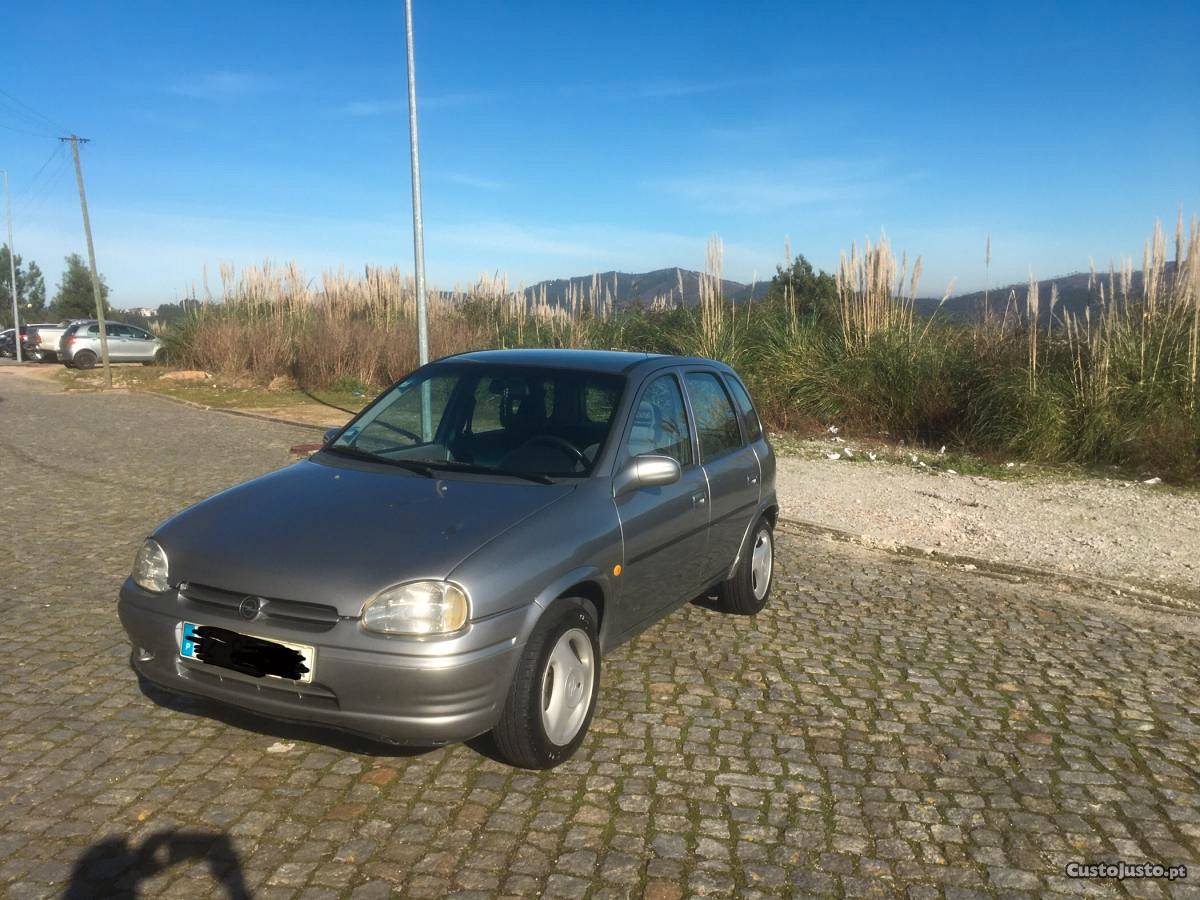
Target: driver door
{"points": [[665, 528]]}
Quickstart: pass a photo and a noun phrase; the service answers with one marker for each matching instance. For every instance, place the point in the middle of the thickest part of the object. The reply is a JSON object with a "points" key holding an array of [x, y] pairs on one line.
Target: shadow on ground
{"points": [[114, 869]]}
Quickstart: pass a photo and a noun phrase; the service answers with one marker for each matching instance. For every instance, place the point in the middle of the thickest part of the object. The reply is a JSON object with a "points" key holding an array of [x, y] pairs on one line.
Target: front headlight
{"points": [[419, 607], [150, 567]]}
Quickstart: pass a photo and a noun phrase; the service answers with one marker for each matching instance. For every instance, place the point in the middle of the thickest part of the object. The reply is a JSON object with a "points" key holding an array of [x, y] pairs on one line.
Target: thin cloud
{"points": [[222, 85], [532, 253], [476, 182], [393, 106], [671, 88], [816, 184], [668, 88], [368, 108]]}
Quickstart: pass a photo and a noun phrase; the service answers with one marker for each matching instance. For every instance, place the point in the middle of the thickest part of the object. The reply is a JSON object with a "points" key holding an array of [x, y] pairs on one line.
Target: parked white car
{"points": [[31, 347]]}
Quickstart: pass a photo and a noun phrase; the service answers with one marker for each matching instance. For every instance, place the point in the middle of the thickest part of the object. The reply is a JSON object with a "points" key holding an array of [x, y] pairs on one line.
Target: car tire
{"points": [[160, 356], [84, 359], [746, 592], [542, 725]]}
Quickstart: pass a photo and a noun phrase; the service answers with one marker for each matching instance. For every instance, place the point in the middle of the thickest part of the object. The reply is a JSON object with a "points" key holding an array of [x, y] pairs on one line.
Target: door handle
{"points": [[699, 499], [751, 479]]}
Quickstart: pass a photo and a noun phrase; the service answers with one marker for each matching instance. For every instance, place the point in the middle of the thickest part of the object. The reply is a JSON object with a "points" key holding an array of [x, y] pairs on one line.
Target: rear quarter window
{"points": [[745, 409]]}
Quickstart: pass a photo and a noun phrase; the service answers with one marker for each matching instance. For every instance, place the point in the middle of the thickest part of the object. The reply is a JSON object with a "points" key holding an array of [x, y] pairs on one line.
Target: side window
{"points": [[716, 419], [93, 329], [746, 408], [660, 423], [116, 330]]}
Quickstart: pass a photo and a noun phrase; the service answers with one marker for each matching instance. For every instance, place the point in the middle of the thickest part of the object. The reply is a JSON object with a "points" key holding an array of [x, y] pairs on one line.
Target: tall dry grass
{"points": [[1116, 384]]}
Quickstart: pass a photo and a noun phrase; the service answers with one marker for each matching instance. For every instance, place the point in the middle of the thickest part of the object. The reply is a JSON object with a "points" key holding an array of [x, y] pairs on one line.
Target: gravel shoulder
{"points": [[1143, 535]]}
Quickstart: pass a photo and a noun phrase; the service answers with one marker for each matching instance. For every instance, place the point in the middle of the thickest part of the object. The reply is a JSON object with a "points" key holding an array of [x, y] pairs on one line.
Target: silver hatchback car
{"points": [[461, 555], [79, 347]]}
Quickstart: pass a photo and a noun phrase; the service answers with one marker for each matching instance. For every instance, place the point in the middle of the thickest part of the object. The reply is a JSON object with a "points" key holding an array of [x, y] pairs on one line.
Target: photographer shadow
{"points": [[113, 868]]}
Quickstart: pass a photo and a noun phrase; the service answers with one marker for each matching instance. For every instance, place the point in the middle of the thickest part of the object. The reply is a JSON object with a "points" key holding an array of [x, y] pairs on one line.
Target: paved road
{"points": [[887, 727]]}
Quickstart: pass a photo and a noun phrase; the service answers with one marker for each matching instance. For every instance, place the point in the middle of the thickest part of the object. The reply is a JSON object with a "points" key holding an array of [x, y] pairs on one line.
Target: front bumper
{"points": [[448, 690]]}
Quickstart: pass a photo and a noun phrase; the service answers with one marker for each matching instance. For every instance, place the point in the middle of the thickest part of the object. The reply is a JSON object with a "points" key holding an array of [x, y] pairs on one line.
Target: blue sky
{"points": [[561, 139]]}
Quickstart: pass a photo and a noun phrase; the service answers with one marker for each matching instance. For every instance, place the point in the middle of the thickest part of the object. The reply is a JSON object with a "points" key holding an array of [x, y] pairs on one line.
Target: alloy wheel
{"points": [[567, 684], [761, 561]]}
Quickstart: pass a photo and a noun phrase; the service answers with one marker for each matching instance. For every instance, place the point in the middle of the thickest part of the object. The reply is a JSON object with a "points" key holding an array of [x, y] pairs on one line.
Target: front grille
{"points": [[292, 613]]}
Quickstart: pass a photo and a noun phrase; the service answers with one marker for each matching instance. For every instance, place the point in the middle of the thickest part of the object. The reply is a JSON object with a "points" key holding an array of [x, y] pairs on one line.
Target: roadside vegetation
{"points": [[1116, 386]]}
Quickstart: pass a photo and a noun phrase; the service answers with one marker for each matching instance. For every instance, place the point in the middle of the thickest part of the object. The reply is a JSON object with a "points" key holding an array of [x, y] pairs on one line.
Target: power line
{"points": [[34, 198], [54, 126], [42, 134], [20, 115], [56, 151], [36, 190]]}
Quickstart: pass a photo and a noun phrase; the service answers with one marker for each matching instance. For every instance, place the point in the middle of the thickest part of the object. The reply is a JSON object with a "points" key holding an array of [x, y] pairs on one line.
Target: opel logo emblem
{"points": [[248, 608]]}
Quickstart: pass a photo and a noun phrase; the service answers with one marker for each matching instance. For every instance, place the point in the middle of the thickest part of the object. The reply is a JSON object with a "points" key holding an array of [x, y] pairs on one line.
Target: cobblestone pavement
{"points": [[888, 726]]}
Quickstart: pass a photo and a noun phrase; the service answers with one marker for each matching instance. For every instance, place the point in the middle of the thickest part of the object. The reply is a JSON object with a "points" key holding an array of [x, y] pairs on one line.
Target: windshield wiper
{"points": [[488, 470], [355, 453]]}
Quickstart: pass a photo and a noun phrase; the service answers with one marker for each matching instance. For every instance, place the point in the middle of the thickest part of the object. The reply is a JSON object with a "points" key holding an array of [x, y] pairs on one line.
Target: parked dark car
{"points": [[460, 556], [29, 348]]}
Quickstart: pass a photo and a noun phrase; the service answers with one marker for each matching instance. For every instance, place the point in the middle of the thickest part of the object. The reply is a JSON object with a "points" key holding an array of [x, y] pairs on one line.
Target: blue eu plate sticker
{"points": [[187, 646]]}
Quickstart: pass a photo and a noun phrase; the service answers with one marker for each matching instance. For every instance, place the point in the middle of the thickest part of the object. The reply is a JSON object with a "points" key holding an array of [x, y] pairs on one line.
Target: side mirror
{"points": [[646, 471], [330, 434]]}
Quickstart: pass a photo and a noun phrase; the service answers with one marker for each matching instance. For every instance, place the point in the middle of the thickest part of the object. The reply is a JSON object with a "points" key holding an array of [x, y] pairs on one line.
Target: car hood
{"points": [[336, 531]]}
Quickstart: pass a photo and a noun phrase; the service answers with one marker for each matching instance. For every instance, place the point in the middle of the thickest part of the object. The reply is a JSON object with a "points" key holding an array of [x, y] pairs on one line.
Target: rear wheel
{"points": [[747, 591], [84, 359], [553, 692]]}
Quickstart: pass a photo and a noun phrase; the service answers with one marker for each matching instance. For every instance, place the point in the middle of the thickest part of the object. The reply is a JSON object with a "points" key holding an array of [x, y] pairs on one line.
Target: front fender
{"points": [[567, 580], [527, 567]]}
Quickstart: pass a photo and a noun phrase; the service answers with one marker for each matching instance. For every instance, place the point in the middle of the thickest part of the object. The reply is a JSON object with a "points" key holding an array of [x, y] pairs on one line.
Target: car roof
{"points": [[607, 361]]}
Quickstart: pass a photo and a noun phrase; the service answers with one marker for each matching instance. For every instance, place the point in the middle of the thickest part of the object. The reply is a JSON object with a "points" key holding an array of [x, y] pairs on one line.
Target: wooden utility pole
{"points": [[87, 230]]}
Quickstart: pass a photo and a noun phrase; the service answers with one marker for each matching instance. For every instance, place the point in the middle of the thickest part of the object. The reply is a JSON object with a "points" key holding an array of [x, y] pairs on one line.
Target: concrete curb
{"points": [[234, 412], [1157, 598]]}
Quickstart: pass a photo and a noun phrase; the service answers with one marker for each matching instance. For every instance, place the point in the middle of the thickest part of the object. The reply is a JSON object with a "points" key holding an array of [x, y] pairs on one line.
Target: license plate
{"points": [[247, 653]]}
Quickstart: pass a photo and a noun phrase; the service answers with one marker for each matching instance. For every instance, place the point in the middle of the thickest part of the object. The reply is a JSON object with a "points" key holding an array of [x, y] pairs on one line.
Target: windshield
{"points": [[516, 420]]}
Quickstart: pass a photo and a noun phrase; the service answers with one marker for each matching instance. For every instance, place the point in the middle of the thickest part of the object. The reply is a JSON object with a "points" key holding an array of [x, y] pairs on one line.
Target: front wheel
{"points": [[746, 592], [554, 689]]}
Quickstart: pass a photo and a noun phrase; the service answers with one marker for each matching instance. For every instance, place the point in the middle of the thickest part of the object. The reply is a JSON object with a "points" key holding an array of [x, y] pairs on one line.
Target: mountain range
{"points": [[626, 289], [632, 289]]}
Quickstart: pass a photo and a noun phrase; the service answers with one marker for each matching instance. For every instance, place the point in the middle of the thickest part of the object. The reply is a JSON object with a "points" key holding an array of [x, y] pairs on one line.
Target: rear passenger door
{"points": [[141, 345], [730, 465], [119, 341]]}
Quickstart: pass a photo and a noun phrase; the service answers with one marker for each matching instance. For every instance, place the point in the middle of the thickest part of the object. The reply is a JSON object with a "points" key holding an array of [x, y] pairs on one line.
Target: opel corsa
{"points": [[460, 556]]}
